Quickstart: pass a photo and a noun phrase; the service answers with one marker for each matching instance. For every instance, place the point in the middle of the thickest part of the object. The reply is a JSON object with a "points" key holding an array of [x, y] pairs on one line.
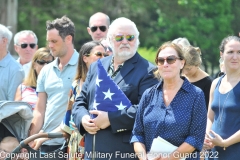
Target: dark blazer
{"points": [[134, 78]]}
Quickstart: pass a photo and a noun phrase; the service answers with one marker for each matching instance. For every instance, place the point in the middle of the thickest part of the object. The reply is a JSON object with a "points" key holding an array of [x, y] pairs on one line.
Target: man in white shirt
{"points": [[25, 44]]}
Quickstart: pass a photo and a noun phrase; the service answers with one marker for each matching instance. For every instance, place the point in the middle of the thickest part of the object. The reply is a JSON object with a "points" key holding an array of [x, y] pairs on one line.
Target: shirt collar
{"points": [[185, 86], [4, 62], [72, 61]]}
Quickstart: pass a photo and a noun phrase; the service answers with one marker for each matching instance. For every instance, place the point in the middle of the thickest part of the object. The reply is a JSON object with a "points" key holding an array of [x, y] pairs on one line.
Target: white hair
{"points": [[183, 42], [120, 22], [6, 33], [24, 32]]}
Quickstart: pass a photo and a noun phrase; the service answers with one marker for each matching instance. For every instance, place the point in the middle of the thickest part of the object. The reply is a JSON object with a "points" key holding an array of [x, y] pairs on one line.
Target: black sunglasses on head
{"points": [[24, 45], [102, 28], [41, 62]]}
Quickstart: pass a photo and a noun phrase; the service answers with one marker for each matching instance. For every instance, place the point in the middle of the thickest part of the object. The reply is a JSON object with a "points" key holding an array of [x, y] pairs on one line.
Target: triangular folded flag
{"points": [[108, 96]]}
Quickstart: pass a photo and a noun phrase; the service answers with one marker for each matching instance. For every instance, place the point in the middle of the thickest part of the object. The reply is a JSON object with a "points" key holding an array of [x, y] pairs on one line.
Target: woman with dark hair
{"points": [[223, 123], [26, 91]]}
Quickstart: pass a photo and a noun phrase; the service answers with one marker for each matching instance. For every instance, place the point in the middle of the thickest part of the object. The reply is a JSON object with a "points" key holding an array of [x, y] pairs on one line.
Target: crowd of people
{"points": [[174, 99]]}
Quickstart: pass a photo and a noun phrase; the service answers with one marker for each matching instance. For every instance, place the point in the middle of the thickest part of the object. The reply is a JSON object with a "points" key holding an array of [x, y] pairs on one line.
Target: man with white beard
{"points": [[107, 136]]}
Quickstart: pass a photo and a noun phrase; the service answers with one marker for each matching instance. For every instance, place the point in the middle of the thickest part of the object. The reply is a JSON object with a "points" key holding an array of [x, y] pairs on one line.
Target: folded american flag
{"points": [[108, 96]]}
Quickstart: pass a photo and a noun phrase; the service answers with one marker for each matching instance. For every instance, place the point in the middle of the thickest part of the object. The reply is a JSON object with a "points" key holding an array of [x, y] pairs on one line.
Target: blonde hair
{"points": [[31, 79], [12, 141], [192, 56]]}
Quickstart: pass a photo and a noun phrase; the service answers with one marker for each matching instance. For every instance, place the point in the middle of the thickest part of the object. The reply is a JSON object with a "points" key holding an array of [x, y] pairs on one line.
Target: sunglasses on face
{"points": [[169, 59], [108, 49], [102, 28], [98, 54], [41, 62], [24, 45], [120, 38]]}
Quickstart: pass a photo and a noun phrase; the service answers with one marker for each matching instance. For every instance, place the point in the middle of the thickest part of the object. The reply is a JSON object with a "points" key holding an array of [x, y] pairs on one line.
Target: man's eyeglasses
{"points": [[102, 28], [120, 38], [169, 59], [98, 54], [41, 62], [24, 45]]}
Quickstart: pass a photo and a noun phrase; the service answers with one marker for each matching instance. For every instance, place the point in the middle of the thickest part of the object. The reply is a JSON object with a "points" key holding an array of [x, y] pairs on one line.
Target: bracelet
{"points": [[224, 148]]}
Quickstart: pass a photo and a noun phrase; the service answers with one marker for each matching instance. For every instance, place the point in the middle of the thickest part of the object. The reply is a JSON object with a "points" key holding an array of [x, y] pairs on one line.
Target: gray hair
{"points": [[25, 32], [6, 33], [182, 42], [119, 22]]}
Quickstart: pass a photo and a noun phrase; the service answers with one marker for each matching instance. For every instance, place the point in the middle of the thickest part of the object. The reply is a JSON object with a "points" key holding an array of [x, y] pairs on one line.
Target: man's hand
{"points": [[101, 120], [88, 125]]}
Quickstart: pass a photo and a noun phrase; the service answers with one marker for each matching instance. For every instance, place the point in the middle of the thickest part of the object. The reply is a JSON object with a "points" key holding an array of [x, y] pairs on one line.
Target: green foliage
{"points": [[148, 54], [204, 22]]}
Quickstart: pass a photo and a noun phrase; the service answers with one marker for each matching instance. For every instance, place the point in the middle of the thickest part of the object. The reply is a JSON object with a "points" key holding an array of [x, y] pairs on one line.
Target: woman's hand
{"points": [[215, 139]]}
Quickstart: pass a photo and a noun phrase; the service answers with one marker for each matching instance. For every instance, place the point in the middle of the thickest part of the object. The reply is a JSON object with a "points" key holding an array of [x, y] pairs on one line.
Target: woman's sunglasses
{"points": [[102, 28], [41, 62], [24, 45], [98, 54], [120, 38], [169, 59]]}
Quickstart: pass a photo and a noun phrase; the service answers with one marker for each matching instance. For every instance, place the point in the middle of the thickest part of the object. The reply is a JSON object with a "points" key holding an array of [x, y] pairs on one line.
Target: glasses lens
{"points": [[119, 38], [93, 29], [160, 60], [130, 38], [32, 45], [41, 62], [171, 59], [99, 54], [103, 28], [24, 45]]}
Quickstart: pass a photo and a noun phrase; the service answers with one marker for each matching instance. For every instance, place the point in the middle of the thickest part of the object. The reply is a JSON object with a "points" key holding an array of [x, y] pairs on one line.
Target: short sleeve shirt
{"points": [[57, 85]]}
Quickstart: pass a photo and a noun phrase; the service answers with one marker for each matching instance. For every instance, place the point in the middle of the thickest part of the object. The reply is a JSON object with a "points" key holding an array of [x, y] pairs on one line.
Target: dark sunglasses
{"points": [[98, 54], [108, 49], [102, 28], [120, 38], [24, 45], [169, 59], [43, 62]]}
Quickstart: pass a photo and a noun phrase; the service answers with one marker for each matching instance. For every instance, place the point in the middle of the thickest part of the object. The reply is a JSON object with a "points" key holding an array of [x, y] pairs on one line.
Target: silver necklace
{"points": [[221, 108]]}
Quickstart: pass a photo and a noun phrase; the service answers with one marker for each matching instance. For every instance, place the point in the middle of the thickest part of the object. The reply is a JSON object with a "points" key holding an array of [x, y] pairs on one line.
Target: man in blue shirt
{"points": [[54, 81]]}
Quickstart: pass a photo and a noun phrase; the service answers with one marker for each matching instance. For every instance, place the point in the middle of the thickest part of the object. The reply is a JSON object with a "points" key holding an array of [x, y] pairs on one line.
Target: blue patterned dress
{"points": [[184, 120]]}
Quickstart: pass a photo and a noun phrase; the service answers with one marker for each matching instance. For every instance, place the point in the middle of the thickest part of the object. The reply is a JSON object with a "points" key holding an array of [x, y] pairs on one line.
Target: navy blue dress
{"points": [[184, 120], [229, 124]]}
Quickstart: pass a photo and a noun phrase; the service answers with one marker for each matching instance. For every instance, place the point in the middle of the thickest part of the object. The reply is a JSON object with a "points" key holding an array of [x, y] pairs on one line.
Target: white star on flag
{"points": [[95, 104], [121, 106], [108, 94], [98, 81]]}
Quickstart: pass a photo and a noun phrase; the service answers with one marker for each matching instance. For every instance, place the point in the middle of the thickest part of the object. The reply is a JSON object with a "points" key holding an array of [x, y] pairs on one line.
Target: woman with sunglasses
{"points": [[172, 109], [194, 73], [89, 53], [27, 90]]}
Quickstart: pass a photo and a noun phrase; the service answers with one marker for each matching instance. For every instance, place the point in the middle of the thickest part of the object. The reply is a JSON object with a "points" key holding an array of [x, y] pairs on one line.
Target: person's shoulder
{"points": [[143, 62]]}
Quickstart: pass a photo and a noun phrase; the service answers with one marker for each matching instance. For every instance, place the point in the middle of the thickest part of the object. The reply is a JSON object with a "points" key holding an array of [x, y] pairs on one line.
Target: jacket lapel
{"points": [[126, 69]]}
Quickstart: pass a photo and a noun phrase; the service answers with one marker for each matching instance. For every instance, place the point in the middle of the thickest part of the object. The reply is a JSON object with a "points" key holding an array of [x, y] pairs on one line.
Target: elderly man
{"points": [[98, 26], [25, 44], [55, 80], [109, 133], [11, 73]]}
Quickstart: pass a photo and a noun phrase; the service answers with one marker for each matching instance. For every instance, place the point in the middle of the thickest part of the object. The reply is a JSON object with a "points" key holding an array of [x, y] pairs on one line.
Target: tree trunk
{"points": [[8, 17]]}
